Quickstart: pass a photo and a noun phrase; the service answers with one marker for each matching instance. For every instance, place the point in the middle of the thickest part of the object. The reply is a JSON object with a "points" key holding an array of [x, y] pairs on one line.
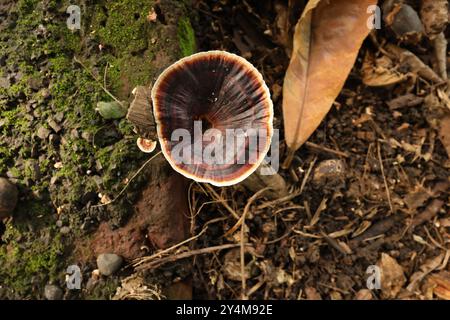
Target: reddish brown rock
{"points": [[159, 222]]}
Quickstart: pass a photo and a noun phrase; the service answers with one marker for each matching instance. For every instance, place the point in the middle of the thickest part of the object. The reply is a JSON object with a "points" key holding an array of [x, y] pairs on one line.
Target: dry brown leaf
{"points": [[312, 294], [392, 276], [441, 281], [326, 43], [364, 294], [429, 266], [380, 72]]}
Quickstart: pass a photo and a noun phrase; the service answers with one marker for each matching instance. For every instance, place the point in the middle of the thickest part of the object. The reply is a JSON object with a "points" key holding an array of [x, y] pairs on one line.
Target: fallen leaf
{"points": [[392, 276], [364, 294], [441, 281], [429, 266], [326, 43], [312, 294], [380, 72]]}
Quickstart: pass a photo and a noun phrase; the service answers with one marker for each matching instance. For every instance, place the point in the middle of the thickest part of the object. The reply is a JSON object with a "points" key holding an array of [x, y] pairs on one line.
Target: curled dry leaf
{"points": [[380, 72], [441, 283], [426, 268], [326, 43]]}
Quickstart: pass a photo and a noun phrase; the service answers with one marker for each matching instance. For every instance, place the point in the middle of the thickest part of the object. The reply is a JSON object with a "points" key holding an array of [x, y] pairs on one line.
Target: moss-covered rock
{"points": [[58, 150]]}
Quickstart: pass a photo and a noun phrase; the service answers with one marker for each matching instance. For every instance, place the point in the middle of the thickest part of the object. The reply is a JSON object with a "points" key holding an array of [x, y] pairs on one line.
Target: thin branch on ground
{"points": [[129, 181], [242, 220], [224, 203], [184, 255], [97, 80], [388, 194]]}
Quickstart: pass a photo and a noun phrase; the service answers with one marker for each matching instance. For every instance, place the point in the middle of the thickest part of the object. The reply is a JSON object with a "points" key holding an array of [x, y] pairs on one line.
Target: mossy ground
{"points": [[60, 173]]}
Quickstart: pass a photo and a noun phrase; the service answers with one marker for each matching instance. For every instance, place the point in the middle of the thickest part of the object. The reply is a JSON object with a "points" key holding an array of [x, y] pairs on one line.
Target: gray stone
{"points": [[43, 133], [59, 116], [65, 230], [329, 172], [4, 83], [52, 292], [109, 263], [52, 123]]}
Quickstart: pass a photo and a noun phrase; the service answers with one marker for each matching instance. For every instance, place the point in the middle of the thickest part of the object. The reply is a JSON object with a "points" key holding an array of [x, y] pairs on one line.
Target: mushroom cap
{"points": [[225, 92], [146, 145]]}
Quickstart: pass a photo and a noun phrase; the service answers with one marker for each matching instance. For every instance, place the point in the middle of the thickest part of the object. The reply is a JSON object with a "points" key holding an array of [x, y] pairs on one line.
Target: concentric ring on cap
{"points": [[223, 92]]}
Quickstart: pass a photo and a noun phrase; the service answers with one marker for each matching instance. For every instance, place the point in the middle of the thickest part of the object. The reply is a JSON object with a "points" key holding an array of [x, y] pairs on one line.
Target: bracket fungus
{"points": [[146, 145], [212, 114]]}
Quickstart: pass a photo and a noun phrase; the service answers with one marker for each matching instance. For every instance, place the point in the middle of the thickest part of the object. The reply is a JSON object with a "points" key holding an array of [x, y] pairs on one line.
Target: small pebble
{"points": [[52, 292], [64, 230], [43, 133], [329, 171], [109, 263]]}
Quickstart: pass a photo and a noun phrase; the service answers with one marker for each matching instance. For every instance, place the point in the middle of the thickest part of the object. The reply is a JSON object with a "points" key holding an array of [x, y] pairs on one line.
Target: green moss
{"points": [[134, 52], [124, 28], [105, 288], [186, 37], [25, 255]]}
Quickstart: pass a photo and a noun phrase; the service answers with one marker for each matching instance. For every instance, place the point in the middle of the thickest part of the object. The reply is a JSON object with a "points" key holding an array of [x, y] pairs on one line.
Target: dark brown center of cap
{"points": [[203, 102]]}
